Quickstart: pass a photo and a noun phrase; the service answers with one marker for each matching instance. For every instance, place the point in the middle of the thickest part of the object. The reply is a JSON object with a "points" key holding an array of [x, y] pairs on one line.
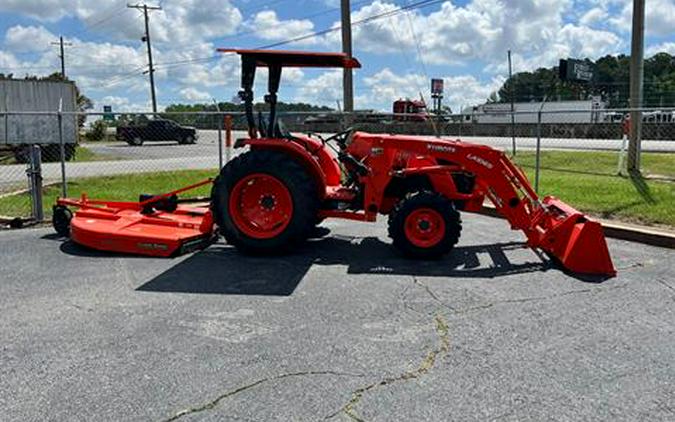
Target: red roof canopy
{"points": [[266, 58]]}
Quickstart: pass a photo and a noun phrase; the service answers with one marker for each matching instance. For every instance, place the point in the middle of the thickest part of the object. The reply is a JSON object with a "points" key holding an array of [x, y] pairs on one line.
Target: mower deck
{"points": [[148, 227], [130, 231]]}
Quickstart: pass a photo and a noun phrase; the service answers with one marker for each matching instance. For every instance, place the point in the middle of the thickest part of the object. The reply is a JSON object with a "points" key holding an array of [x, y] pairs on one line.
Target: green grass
{"points": [[123, 188], [584, 180], [82, 154], [587, 181], [598, 162]]}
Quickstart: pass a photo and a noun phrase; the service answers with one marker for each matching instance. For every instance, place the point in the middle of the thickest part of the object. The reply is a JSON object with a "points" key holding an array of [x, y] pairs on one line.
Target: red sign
{"points": [[437, 86]]}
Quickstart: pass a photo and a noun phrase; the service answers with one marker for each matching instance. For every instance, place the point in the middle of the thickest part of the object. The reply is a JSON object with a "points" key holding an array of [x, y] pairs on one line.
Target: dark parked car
{"points": [[157, 130]]}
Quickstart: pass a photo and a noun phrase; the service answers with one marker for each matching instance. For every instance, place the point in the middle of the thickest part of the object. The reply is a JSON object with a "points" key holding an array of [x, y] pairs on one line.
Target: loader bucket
{"points": [[577, 242]]}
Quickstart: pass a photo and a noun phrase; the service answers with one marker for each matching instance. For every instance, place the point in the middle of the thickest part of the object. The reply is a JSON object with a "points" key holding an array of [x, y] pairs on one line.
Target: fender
{"points": [[309, 152]]}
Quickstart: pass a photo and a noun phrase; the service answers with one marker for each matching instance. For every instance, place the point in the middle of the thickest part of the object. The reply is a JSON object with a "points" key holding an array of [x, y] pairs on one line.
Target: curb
{"points": [[632, 233]]}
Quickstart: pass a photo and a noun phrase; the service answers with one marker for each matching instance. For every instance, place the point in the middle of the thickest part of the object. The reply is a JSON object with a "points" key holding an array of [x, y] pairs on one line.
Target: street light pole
{"points": [[636, 85]]}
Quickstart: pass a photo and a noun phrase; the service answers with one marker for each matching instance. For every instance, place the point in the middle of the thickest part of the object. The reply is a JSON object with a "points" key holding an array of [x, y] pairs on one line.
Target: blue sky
{"points": [[464, 42]]}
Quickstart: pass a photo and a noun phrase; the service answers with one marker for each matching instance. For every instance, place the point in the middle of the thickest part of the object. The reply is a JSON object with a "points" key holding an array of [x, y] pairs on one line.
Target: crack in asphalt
{"points": [[538, 298], [518, 300], [213, 403], [431, 293], [663, 282], [631, 266], [454, 310], [429, 361]]}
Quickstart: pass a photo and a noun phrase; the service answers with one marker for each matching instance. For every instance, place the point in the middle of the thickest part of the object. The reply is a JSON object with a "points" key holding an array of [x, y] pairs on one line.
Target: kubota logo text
{"points": [[440, 148]]}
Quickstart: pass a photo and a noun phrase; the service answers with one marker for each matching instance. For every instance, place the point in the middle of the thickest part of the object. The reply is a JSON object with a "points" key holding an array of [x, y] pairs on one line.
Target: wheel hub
{"points": [[425, 227], [267, 202], [261, 205]]}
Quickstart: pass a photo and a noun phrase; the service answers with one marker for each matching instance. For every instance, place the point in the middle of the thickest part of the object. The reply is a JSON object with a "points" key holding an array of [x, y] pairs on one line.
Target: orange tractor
{"points": [[271, 197]]}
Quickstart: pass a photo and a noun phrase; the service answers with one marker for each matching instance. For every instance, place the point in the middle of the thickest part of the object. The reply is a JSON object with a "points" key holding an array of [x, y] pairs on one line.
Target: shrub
{"points": [[98, 131]]}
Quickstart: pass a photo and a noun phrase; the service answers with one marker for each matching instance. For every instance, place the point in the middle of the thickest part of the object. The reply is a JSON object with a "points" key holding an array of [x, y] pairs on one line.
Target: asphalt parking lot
{"points": [[342, 330]]}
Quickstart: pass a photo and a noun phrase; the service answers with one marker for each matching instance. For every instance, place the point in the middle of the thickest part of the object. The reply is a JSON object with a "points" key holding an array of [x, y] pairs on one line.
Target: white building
{"points": [[587, 111]]}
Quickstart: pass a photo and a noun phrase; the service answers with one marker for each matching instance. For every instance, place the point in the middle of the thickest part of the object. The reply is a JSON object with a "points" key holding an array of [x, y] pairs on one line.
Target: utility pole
{"points": [[62, 55], [146, 38], [347, 80], [636, 76], [513, 117]]}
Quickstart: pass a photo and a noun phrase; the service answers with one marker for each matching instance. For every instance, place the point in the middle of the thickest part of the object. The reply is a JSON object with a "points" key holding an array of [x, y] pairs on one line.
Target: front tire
{"points": [[425, 225], [136, 141], [264, 202], [188, 140]]}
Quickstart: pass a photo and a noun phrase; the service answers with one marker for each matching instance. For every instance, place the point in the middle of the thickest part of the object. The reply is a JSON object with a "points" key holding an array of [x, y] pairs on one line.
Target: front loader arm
{"points": [[549, 224]]}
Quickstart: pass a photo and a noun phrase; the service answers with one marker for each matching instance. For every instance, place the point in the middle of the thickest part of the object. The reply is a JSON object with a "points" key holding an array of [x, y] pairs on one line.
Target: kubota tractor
{"points": [[271, 197]]}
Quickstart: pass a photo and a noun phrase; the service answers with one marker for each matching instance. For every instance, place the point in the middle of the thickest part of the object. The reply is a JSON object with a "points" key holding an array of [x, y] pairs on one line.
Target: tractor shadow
{"points": [[220, 269]]}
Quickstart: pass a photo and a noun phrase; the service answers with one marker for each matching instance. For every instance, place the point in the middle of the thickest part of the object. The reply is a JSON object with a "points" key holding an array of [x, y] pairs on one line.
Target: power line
{"points": [[123, 77], [115, 10], [411, 6], [393, 12], [252, 31], [401, 9]]}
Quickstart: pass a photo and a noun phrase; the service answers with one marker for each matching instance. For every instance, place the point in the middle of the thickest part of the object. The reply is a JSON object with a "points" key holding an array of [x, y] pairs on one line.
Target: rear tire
{"points": [[425, 225], [264, 202]]}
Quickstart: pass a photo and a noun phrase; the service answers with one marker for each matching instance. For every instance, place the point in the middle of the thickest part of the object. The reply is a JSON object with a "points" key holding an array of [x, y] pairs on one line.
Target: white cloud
{"points": [[482, 30], [106, 66], [379, 90], [194, 20], [666, 47], [38, 9], [181, 22], [192, 94], [385, 86], [28, 38], [323, 90], [659, 17], [119, 104], [593, 16], [8, 61], [268, 27]]}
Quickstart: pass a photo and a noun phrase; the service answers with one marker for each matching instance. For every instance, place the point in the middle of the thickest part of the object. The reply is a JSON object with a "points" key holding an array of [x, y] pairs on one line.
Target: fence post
{"points": [[220, 140], [228, 137], [219, 117], [62, 151], [625, 129], [461, 122], [538, 154], [6, 128], [35, 182], [513, 130]]}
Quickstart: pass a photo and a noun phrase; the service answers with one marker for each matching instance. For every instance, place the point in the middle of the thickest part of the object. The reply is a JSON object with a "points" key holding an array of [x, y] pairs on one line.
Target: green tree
{"points": [[611, 82]]}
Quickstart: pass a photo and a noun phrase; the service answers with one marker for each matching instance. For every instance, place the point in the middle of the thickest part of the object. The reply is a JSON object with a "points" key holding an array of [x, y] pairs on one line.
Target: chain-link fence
{"points": [[580, 156]]}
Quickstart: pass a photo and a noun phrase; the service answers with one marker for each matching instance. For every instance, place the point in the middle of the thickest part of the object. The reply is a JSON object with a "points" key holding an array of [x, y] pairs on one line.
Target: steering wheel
{"points": [[341, 138]]}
